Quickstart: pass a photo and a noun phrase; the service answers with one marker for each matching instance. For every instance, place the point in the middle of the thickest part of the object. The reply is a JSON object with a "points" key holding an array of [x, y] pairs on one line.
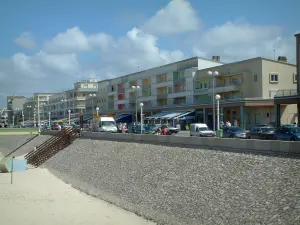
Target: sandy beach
{"points": [[38, 197]]}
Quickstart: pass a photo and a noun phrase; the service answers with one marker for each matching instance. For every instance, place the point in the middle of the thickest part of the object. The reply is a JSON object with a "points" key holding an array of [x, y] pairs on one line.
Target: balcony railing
{"points": [[179, 81], [286, 92], [132, 99], [121, 90], [178, 90], [146, 86], [162, 95]]}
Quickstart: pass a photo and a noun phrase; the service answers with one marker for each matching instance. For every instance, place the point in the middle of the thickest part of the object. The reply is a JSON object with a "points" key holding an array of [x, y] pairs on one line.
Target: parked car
{"points": [[288, 133], [261, 132], [201, 130], [234, 132]]}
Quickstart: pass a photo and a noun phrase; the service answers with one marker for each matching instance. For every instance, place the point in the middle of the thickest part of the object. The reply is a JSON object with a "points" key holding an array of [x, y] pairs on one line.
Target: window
{"points": [[295, 78], [170, 90], [274, 77], [255, 77]]}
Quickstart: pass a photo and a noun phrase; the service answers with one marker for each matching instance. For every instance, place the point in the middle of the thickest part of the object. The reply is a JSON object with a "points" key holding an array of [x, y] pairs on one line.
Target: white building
{"points": [[74, 100], [159, 87]]}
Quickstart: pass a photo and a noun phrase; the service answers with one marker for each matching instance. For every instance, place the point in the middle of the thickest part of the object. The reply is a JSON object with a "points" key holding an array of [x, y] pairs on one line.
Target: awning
{"points": [[124, 118], [184, 115], [171, 115], [157, 115]]}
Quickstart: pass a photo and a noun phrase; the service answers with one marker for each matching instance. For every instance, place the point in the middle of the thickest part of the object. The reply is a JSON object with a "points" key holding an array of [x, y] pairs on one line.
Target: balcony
{"points": [[178, 90], [286, 92], [146, 86], [218, 89], [121, 90], [179, 81], [80, 98], [162, 95], [87, 89], [132, 99]]}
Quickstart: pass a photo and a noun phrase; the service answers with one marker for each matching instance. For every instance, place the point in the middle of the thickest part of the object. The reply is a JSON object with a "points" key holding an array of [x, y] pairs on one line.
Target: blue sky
{"points": [[272, 23]]}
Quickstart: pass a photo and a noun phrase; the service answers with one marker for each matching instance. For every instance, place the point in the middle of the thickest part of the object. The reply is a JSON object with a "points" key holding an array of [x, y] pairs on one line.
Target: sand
{"points": [[38, 197]]}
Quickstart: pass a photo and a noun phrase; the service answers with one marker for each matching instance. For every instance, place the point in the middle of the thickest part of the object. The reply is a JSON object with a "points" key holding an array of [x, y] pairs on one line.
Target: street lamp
{"points": [[29, 109], [34, 120], [218, 97], [92, 96], [141, 105], [213, 74], [97, 110], [64, 104], [23, 118], [49, 119], [136, 101], [69, 111]]}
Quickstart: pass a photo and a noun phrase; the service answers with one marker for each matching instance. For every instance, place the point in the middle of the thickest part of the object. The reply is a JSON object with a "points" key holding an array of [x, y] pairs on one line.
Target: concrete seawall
{"points": [[230, 144]]}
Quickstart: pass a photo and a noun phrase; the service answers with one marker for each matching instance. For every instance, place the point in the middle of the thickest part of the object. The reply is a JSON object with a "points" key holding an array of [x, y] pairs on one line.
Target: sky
{"points": [[47, 45]]}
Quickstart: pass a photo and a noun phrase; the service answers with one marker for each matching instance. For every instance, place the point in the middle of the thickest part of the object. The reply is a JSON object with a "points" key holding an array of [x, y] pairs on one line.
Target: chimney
{"points": [[282, 59], [216, 58]]}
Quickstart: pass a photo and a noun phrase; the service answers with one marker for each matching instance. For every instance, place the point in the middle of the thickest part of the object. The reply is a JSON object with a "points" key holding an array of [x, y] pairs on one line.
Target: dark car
{"points": [[262, 132], [234, 132], [288, 133]]}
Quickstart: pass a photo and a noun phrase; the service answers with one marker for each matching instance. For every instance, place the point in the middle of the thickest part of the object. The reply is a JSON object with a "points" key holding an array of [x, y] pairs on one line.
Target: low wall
{"points": [[18, 131], [243, 145]]}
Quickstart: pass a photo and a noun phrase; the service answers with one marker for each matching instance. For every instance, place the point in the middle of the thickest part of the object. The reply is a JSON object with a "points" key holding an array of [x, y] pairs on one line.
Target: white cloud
{"points": [[239, 40], [177, 17], [25, 40], [73, 40]]}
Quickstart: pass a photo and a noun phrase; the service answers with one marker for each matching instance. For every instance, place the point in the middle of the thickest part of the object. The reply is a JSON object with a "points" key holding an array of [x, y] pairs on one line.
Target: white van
{"points": [[104, 124], [201, 130]]}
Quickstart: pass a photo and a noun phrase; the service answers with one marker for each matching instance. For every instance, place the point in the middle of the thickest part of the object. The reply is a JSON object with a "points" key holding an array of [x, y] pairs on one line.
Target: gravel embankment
{"points": [[184, 186], [9, 143]]}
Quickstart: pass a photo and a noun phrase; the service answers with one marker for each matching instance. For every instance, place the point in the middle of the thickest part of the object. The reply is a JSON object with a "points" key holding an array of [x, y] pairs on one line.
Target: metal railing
{"points": [[52, 146], [286, 92]]}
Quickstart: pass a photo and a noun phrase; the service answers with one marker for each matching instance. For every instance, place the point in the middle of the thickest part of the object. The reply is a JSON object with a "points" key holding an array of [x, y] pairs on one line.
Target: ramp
{"points": [[52, 146]]}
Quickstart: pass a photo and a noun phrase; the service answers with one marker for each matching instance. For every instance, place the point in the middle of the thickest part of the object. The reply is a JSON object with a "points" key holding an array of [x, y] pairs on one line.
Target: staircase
{"points": [[52, 146]]}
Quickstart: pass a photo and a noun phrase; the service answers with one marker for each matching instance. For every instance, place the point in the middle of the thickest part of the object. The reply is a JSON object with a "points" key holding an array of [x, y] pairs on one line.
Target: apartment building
{"points": [[14, 108], [74, 99], [3, 117], [29, 109], [247, 89], [183, 91], [157, 88]]}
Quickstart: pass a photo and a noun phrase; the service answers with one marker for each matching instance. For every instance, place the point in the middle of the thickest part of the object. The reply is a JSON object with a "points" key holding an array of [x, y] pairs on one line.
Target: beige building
{"points": [[247, 89], [74, 100]]}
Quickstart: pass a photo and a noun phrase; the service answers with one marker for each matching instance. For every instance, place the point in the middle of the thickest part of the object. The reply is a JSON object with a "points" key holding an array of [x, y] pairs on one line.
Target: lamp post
{"points": [[64, 104], [136, 101], [13, 120], [34, 120], [49, 119], [213, 74], [23, 118], [97, 110], [141, 105], [92, 96], [218, 97], [69, 111]]}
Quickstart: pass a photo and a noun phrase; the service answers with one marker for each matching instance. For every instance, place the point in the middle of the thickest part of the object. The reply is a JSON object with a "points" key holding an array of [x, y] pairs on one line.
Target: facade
{"points": [[75, 100], [161, 87], [15, 107], [247, 89], [3, 117]]}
